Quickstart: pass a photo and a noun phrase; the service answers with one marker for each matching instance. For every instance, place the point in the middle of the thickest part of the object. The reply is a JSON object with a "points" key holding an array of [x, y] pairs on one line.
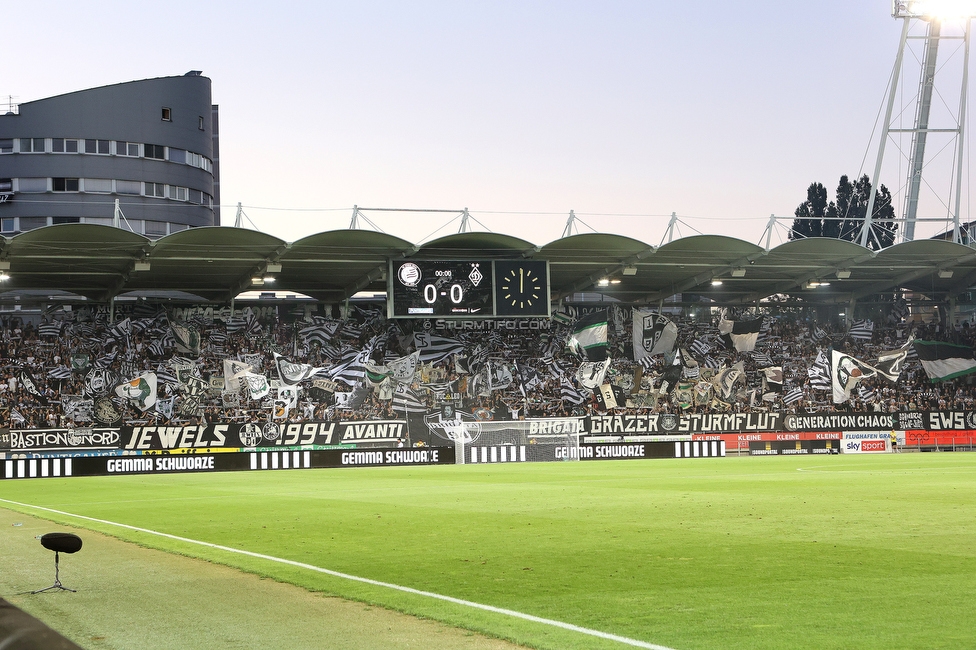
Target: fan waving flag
{"points": [[294, 373], [845, 373], [944, 361], [743, 335], [861, 330], [890, 362], [589, 339], [140, 391], [653, 334], [435, 348]]}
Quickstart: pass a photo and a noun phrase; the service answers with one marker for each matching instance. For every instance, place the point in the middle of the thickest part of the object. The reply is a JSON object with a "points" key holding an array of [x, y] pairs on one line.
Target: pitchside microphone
{"points": [[59, 543]]}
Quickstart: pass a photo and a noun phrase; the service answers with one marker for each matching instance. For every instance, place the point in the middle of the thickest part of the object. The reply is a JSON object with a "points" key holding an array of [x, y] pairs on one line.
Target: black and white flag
{"points": [[29, 385], [861, 330], [295, 373], [653, 334], [435, 348]]}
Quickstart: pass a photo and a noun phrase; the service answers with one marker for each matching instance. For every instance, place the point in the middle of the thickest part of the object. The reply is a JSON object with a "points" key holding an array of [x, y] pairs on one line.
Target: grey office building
{"points": [[142, 155]]}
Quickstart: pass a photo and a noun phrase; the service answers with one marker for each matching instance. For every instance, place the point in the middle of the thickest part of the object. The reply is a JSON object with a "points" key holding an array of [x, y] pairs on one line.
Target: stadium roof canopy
{"points": [[217, 264]]}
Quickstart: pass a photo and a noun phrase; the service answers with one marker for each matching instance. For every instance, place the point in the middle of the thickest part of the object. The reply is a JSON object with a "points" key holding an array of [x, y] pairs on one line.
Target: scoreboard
{"points": [[468, 289]]}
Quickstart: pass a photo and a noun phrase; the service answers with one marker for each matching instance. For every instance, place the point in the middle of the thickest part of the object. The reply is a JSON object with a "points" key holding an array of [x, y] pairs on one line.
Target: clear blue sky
{"points": [[720, 111]]}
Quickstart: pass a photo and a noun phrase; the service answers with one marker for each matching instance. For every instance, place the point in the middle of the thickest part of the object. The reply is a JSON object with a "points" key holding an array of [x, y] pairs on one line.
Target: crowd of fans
{"points": [[64, 369]]}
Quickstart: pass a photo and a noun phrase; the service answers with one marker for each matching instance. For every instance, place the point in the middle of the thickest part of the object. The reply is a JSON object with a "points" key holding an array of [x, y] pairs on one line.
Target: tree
{"points": [[843, 218], [810, 213]]}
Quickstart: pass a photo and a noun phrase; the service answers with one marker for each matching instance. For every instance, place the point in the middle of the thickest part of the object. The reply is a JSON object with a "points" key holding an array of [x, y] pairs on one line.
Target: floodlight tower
{"points": [[931, 16]]}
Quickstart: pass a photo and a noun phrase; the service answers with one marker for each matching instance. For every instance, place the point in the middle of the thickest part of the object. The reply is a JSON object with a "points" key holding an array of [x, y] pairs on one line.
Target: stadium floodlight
{"points": [[273, 268], [603, 282], [630, 270], [945, 274], [268, 279], [738, 273], [843, 274], [716, 283], [938, 9], [4, 277]]}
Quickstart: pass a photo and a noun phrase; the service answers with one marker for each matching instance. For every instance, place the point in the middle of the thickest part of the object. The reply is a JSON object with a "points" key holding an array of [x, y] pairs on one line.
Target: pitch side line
{"points": [[369, 581]]}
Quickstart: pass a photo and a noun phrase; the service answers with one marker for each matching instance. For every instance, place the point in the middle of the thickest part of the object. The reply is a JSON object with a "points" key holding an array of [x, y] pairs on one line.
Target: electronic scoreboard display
{"points": [[468, 289]]}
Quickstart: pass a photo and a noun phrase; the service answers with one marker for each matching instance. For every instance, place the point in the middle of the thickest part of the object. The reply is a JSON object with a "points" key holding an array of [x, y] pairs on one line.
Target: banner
{"points": [[263, 434], [73, 439]]}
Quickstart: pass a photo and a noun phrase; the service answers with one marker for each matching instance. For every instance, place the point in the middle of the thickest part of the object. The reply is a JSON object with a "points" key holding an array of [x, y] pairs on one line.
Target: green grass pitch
{"points": [[827, 552]]}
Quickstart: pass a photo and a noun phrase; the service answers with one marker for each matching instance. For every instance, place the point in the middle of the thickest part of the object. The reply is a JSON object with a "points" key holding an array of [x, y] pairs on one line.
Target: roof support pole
{"points": [[866, 228], [568, 230], [669, 234], [116, 221], [929, 61], [849, 315], [769, 230], [961, 122]]}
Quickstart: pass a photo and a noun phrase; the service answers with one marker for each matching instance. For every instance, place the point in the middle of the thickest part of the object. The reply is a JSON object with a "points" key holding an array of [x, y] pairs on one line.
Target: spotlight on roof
{"points": [[716, 283], [603, 282], [268, 279], [945, 274], [738, 273], [630, 270], [4, 265], [933, 9], [615, 281], [257, 281], [141, 265], [843, 274], [273, 268]]}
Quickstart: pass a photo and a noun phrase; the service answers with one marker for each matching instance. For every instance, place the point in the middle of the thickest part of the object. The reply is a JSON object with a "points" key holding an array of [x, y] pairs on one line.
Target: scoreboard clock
{"points": [[468, 289], [522, 288]]}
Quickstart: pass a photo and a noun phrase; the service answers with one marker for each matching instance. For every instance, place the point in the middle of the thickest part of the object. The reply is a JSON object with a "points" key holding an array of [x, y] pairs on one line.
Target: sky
{"points": [[624, 111]]}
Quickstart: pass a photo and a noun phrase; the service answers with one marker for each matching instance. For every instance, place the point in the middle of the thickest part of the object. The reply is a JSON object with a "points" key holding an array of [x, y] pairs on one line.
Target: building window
{"points": [[32, 145], [200, 123], [31, 223], [6, 185], [155, 227], [177, 227], [127, 149], [167, 114], [7, 225], [101, 221], [177, 156], [178, 193], [102, 185], [128, 187], [64, 145], [156, 151], [196, 197], [156, 189], [58, 220], [65, 184], [31, 185], [96, 146], [6, 145]]}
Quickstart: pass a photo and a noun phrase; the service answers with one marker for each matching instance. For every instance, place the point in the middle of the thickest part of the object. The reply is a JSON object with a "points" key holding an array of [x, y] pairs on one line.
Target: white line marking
{"points": [[377, 583]]}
